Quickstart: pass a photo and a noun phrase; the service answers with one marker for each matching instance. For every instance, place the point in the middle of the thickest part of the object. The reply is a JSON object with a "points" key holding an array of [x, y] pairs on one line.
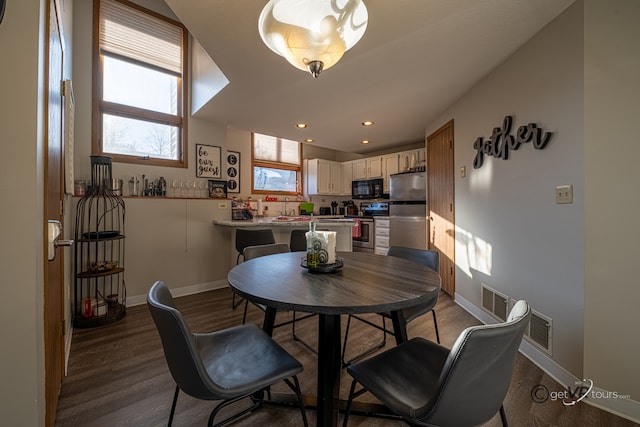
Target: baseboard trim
{"points": [[620, 406], [181, 292]]}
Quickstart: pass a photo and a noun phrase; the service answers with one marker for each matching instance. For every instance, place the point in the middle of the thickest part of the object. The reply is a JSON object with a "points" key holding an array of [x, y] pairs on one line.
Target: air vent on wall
{"points": [[494, 302], [540, 331]]}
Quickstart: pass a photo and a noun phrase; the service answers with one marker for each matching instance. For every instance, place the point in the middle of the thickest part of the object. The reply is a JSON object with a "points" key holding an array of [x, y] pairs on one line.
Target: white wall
{"points": [[574, 263], [21, 181], [161, 241], [510, 234], [612, 200]]}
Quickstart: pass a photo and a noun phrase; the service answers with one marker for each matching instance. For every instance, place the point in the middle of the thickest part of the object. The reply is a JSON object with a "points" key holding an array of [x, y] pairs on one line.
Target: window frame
{"points": [[276, 165], [100, 106]]}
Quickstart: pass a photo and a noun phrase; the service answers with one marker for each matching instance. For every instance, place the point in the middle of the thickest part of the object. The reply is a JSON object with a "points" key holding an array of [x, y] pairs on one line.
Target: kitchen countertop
{"points": [[298, 222]]}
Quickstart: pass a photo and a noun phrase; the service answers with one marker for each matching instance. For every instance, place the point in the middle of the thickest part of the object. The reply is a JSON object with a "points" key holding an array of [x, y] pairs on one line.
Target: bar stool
{"points": [[298, 240], [246, 237]]}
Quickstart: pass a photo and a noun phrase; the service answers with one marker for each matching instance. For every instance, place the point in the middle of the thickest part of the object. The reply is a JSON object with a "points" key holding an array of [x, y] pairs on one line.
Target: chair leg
{"points": [[244, 315], [376, 347], [235, 304], [503, 417], [435, 324], [297, 338], [347, 409], [173, 406], [296, 388]]}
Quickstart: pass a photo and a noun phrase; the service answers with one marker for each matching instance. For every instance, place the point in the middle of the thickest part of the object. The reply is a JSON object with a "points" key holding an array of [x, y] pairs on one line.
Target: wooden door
{"points": [[53, 199], [441, 202]]}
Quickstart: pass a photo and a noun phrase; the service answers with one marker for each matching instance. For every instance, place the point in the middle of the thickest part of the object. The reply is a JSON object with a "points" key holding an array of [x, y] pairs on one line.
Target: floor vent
{"points": [[494, 302], [539, 333]]}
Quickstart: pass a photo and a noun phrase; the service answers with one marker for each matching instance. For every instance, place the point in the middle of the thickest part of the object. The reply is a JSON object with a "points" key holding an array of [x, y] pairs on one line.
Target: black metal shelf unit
{"points": [[99, 291]]}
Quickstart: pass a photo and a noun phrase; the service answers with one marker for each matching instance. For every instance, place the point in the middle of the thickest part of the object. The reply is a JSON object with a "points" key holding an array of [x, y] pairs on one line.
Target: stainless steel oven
{"points": [[363, 235]]}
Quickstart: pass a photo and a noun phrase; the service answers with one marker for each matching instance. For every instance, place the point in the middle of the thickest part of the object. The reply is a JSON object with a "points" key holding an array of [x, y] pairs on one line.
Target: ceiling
{"points": [[415, 59]]}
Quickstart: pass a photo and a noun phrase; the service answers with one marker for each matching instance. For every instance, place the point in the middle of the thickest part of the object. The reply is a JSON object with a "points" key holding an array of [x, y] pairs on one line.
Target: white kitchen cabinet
{"points": [[359, 169], [374, 167], [347, 177], [367, 168], [324, 177], [389, 167], [410, 159], [381, 245]]}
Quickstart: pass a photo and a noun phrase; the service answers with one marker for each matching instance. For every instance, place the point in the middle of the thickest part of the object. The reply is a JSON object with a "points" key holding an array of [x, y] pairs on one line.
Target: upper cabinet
{"points": [[359, 168], [411, 159], [367, 168], [347, 177], [324, 177], [389, 166]]}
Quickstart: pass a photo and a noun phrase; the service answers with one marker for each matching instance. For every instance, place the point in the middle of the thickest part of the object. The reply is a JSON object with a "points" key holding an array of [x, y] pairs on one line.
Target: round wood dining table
{"points": [[366, 283]]}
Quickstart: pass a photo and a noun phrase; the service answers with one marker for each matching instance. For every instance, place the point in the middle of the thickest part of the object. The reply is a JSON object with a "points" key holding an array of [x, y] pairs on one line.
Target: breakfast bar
{"points": [[282, 227]]}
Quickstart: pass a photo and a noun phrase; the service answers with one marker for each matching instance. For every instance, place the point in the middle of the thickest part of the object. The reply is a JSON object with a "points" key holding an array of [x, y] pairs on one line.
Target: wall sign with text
{"points": [[233, 171], [502, 142], [208, 161]]}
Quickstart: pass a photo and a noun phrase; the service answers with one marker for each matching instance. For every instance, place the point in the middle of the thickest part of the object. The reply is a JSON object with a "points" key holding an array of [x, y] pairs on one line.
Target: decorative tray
{"points": [[323, 268]]}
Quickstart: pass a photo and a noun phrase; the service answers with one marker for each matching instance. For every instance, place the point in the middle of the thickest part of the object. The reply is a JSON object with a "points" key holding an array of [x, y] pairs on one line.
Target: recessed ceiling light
{"points": [[364, 141], [367, 123], [301, 125], [308, 140]]}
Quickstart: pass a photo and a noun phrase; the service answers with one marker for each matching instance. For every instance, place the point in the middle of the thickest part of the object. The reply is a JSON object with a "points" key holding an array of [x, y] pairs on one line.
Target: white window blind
{"points": [[271, 149], [128, 32]]}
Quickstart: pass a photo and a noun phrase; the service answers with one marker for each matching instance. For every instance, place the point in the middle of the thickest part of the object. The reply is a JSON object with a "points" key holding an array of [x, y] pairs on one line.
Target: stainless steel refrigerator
{"points": [[408, 210]]}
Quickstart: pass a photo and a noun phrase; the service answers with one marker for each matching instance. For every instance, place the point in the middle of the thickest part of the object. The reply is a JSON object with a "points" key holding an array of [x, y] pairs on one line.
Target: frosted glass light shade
{"points": [[312, 34]]}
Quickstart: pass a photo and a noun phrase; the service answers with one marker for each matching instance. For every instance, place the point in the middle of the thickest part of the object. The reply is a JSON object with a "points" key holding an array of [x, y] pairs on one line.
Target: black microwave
{"points": [[367, 189]]}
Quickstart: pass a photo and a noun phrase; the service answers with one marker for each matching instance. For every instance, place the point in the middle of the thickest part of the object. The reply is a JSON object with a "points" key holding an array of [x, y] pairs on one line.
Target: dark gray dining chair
{"points": [[298, 240], [228, 365], [252, 252], [430, 385], [427, 258], [246, 237]]}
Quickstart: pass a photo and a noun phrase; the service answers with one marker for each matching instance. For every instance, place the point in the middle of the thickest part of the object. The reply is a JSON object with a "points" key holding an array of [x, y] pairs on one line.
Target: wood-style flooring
{"points": [[117, 375]]}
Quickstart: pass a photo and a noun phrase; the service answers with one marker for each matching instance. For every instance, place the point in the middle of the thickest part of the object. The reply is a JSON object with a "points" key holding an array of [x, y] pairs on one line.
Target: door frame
{"points": [[449, 284], [53, 208]]}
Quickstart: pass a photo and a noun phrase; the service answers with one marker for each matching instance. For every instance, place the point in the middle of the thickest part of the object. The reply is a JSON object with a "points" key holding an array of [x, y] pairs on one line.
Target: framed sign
{"points": [[217, 189], [208, 161], [233, 171]]}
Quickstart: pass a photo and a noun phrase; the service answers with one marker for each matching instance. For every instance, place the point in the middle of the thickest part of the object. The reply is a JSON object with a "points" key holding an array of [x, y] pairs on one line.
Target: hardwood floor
{"points": [[117, 375]]}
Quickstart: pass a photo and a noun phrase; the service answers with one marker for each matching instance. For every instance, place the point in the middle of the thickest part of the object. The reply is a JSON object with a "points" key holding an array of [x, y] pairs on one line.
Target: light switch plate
{"points": [[564, 194]]}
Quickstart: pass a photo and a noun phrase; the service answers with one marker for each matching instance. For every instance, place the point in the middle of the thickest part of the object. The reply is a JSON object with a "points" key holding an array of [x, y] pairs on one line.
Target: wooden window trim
{"points": [[277, 165], [99, 106]]}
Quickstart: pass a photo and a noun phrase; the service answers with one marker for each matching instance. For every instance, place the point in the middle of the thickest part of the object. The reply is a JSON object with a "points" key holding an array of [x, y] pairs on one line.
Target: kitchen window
{"points": [[276, 165], [139, 85]]}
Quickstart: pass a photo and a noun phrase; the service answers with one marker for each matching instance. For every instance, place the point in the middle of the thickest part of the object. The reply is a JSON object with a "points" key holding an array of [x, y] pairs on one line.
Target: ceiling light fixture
{"points": [[308, 140], [367, 123], [312, 34], [364, 141], [301, 125]]}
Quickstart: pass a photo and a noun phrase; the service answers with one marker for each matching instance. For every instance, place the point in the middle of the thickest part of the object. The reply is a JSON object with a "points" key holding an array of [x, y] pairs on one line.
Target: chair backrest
{"points": [[477, 373], [252, 237], [425, 257], [178, 343], [251, 252], [298, 240]]}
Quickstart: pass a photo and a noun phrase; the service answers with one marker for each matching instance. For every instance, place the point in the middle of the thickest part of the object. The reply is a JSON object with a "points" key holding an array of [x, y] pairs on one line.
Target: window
{"points": [[276, 165], [139, 80]]}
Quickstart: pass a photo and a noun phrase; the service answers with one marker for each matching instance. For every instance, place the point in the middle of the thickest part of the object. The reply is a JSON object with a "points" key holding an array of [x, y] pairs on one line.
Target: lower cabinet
{"points": [[381, 245]]}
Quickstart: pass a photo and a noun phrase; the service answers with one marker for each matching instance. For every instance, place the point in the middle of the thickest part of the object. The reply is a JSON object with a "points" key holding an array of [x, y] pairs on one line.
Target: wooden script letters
{"points": [[501, 142]]}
